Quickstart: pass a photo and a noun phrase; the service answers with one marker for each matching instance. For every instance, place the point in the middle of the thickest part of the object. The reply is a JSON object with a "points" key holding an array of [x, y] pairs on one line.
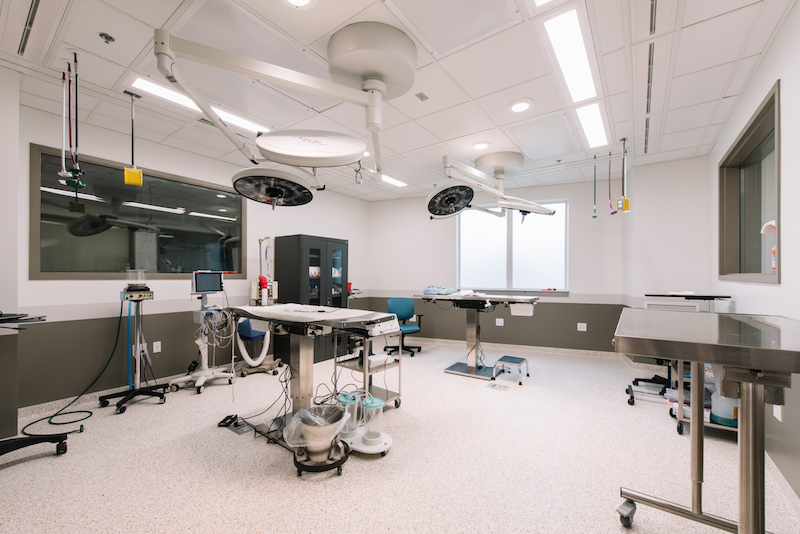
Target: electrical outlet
{"points": [[156, 346], [777, 411], [499, 322], [581, 327]]}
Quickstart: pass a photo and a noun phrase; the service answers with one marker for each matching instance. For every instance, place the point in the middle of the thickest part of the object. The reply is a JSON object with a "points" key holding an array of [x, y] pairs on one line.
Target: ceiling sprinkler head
{"points": [[106, 37]]}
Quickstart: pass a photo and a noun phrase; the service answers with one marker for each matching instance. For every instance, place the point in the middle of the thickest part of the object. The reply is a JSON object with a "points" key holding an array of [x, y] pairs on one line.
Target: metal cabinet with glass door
{"points": [[313, 270]]}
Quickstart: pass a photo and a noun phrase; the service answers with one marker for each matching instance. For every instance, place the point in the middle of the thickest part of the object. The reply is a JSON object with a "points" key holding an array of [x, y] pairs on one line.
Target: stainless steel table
{"points": [[758, 354], [475, 304]]}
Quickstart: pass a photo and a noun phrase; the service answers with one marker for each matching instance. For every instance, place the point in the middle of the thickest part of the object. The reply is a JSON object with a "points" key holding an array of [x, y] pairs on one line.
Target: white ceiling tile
{"points": [[713, 42], [546, 137], [197, 148], [409, 171], [744, 68], [439, 88], [615, 72], [354, 117], [560, 177], [506, 59], [689, 118], [431, 157], [624, 129], [694, 12], [456, 122], [766, 26], [723, 109], [142, 119], [306, 24], [448, 24], [680, 140], [558, 162], [543, 91], [497, 140], [712, 132], [610, 25], [698, 87], [123, 127], [91, 68], [88, 18], [408, 136], [154, 13], [621, 107]]}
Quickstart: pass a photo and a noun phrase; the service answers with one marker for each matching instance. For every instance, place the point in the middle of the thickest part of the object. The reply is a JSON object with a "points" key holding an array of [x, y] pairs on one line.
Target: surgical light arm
{"points": [[478, 180], [169, 47]]}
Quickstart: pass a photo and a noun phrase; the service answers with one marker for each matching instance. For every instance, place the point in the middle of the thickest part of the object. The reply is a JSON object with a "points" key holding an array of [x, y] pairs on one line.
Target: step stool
{"points": [[504, 362]]}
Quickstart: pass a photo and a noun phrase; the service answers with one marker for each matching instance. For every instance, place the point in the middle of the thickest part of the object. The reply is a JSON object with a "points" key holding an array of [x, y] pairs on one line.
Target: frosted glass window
{"points": [[482, 251], [512, 253], [540, 250]]}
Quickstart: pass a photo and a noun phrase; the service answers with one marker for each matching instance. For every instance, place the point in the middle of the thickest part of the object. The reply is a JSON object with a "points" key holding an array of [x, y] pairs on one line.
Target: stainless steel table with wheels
{"points": [[758, 354]]}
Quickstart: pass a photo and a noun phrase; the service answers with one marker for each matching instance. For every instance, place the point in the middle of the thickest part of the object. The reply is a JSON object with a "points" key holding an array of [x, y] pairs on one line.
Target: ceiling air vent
{"points": [[26, 32], [422, 97]]}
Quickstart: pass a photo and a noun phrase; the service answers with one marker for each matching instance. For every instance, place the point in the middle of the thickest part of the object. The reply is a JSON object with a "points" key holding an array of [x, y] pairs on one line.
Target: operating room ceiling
{"points": [[669, 73]]}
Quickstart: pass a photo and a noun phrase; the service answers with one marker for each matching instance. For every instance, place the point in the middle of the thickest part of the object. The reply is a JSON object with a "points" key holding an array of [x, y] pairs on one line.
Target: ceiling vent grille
{"points": [[26, 32]]}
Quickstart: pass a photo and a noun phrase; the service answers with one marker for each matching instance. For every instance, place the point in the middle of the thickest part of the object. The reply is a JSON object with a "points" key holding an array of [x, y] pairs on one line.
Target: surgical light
{"points": [[592, 123], [154, 207], [566, 37]]}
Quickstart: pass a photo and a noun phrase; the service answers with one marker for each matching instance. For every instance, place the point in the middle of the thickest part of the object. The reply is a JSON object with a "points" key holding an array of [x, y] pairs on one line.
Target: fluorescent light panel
{"points": [[64, 193], [153, 207], [566, 38], [210, 216], [393, 181], [183, 100], [593, 126]]}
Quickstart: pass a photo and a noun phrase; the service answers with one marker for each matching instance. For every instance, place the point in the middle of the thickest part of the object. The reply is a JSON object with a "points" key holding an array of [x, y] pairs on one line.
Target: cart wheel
{"points": [[243, 374], [162, 399], [631, 401], [397, 403], [200, 389], [274, 372], [61, 447], [122, 409], [626, 521], [339, 470], [280, 364], [174, 388], [230, 381], [104, 403], [672, 414], [680, 427], [383, 453], [299, 473]]}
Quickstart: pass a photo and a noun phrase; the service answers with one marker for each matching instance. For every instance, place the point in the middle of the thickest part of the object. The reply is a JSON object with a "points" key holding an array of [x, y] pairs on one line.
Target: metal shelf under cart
{"points": [[679, 412], [362, 365]]}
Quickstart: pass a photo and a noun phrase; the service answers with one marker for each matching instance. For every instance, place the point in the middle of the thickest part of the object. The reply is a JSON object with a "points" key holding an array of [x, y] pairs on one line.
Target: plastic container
{"points": [[351, 404], [137, 278], [373, 420], [724, 411]]}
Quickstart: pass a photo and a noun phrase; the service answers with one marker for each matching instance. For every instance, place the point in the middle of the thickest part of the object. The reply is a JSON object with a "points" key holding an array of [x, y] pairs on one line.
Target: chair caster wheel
{"points": [[162, 400], [103, 403], [274, 372], [631, 401], [230, 381], [200, 389], [243, 374], [122, 409], [397, 403], [174, 387], [61, 447]]}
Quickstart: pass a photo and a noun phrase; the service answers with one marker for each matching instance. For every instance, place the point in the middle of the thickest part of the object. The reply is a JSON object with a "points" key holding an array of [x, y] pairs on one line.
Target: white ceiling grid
{"points": [[475, 57]]}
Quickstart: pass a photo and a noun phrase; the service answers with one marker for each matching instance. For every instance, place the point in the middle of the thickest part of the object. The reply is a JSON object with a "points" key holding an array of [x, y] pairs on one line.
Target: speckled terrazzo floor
{"points": [[548, 456]]}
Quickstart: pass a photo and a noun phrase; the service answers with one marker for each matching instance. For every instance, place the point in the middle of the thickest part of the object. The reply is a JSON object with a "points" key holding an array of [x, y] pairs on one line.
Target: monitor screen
{"points": [[206, 282]]}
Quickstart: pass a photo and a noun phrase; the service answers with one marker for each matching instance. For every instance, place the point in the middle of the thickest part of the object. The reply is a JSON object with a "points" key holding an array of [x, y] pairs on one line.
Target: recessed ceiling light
{"points": [[394, 181], [300, 3], [566, 37], [480, 146], [220, 196], [523, 104], [592, 123]]}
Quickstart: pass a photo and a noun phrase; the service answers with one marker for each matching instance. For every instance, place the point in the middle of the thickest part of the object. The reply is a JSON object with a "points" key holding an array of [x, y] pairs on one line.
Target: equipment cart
{"points": [[361, 364]]}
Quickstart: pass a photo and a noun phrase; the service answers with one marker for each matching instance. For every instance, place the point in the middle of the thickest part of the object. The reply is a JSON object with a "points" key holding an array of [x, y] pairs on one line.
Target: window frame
{"points": [[764, 120], [509, 238], [34, 239]]}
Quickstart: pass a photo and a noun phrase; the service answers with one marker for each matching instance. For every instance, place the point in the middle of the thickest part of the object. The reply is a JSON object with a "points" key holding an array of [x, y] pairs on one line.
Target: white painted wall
{"points": [[11, 179], [780, 62]]}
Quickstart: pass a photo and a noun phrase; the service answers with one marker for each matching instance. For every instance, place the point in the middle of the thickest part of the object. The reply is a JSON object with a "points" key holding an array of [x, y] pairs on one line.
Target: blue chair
{"points": [[403, 308]]}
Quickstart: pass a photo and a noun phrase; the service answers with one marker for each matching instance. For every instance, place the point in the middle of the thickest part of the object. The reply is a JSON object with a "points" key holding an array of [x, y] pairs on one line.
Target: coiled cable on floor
{"points": [[86, 414]]}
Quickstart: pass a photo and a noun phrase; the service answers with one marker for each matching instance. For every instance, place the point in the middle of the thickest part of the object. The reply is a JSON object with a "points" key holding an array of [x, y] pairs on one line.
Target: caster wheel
{"points": [[200, 389], [122, 409], [680, 427], [230, 381], [383, 453], [243, 374], [61, 448], [162, 400], [103, 403], [631, 401], [672, 414], [280, 364], [520, 383], [397, 403], [274, 372], [492, 378], [174, 387], [299, 473], [339, 470], [626, 521]]}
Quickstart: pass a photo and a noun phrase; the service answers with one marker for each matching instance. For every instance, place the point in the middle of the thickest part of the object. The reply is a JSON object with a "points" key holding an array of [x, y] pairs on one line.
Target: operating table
{"points": [[474, 304]]}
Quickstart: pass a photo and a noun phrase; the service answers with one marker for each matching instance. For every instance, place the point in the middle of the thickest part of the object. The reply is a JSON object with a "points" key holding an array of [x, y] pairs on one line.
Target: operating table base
{"points": [[460, 368]]}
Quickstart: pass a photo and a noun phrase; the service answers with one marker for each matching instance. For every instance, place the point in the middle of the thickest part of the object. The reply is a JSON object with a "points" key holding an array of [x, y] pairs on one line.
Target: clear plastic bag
{"points": [[315, 427]]}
